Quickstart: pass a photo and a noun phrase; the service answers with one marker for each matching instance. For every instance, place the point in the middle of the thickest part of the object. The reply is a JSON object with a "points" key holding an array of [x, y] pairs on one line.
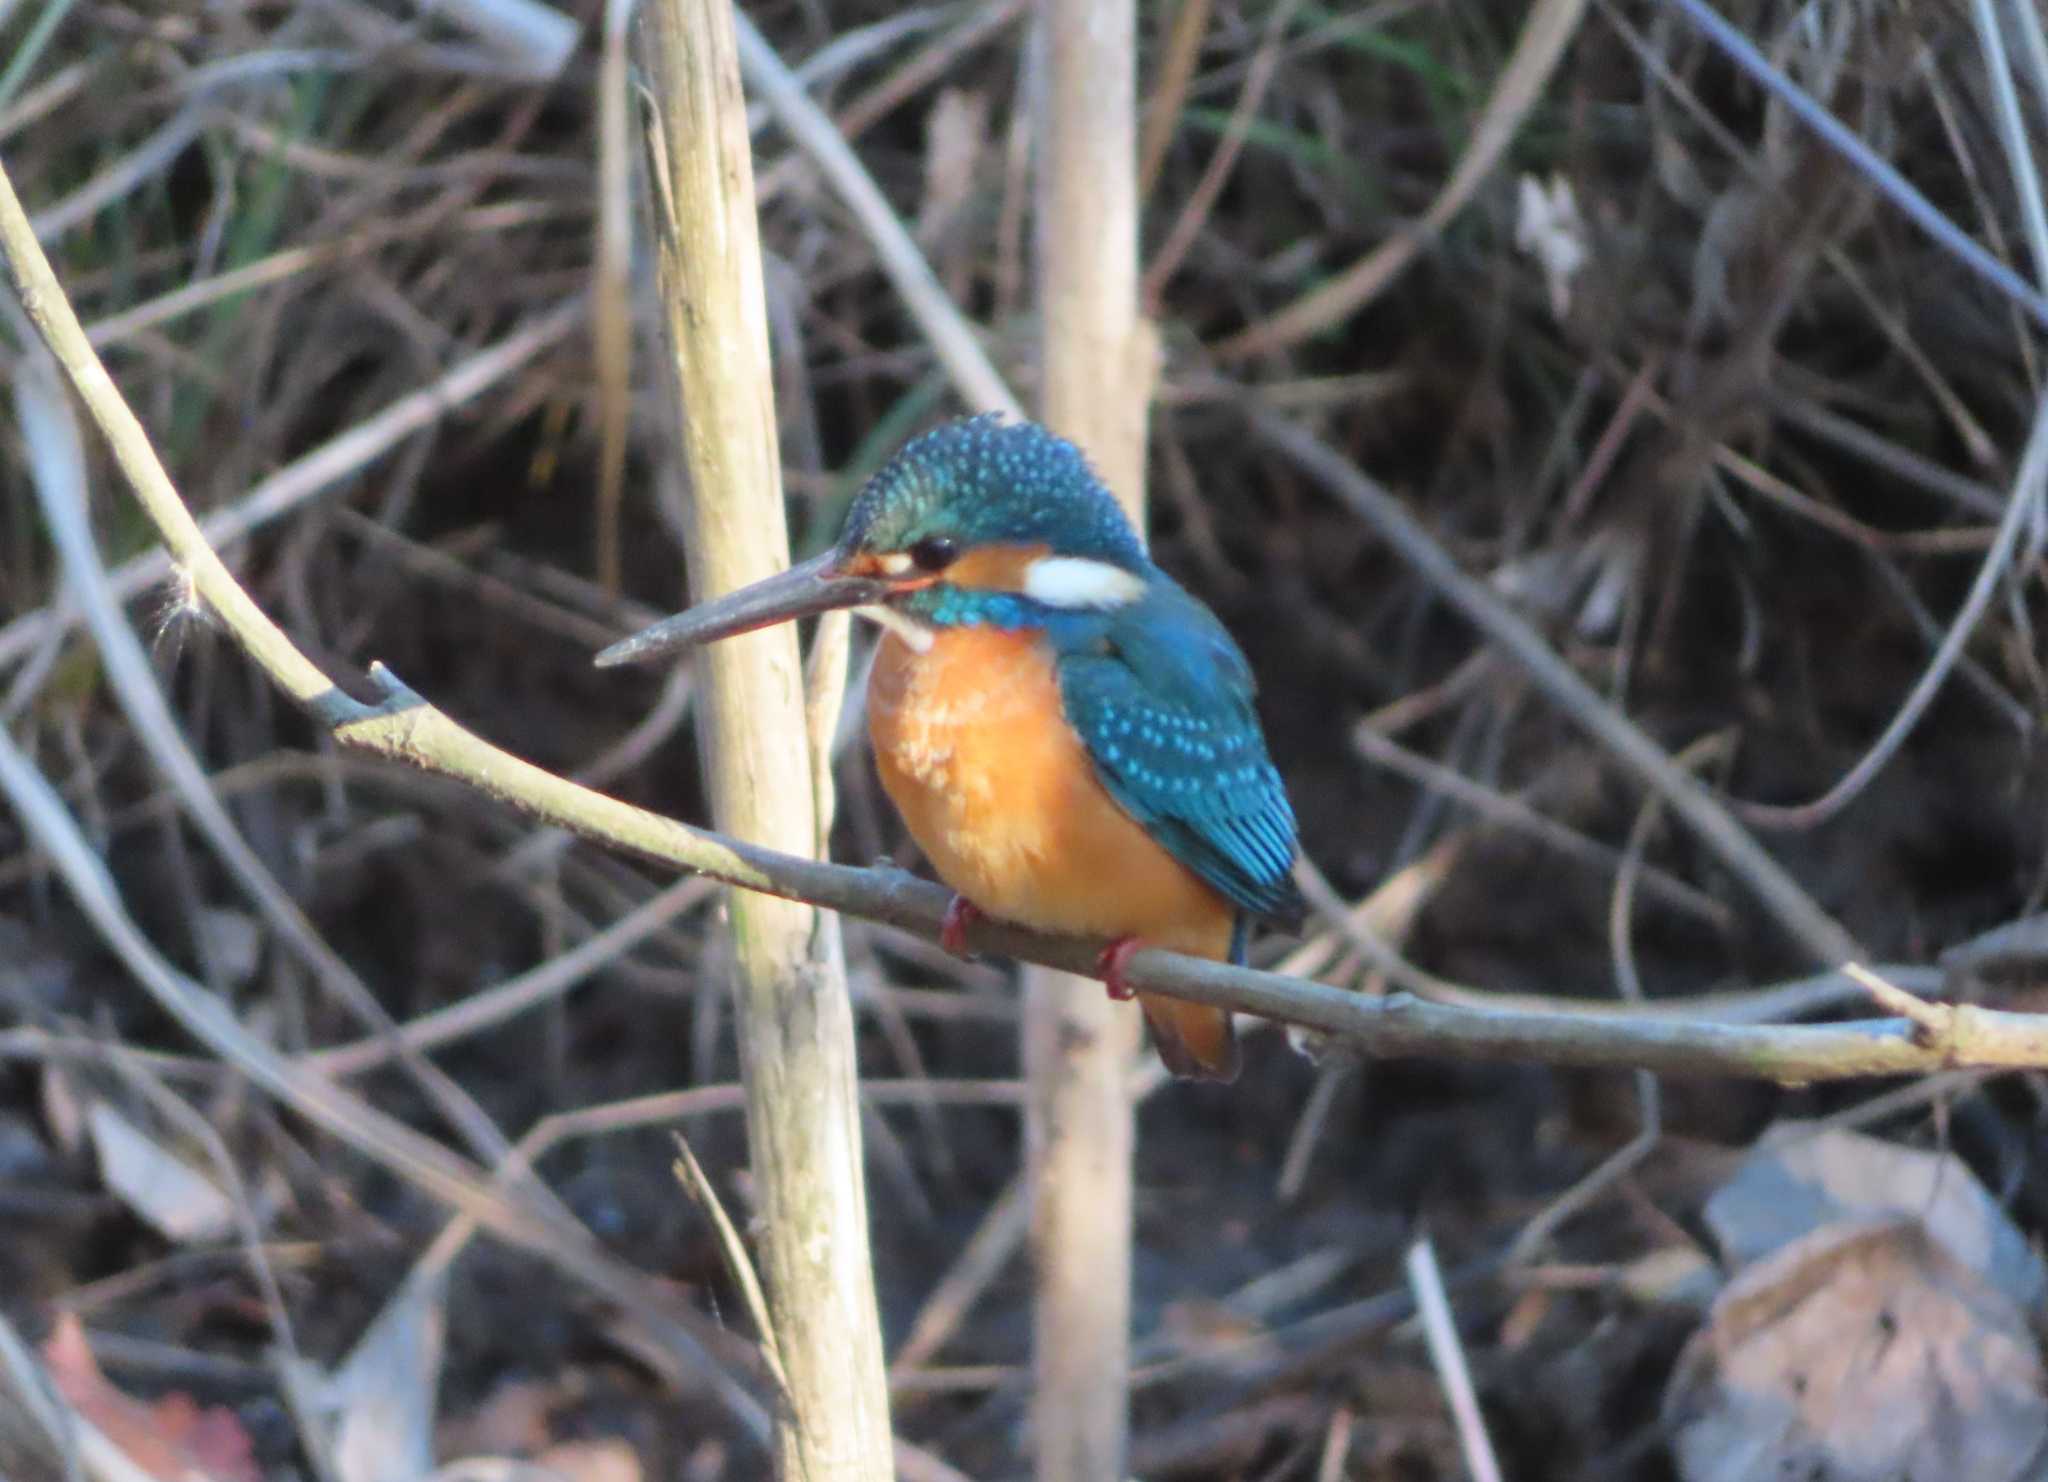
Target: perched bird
{"points": [[1067, 733]]}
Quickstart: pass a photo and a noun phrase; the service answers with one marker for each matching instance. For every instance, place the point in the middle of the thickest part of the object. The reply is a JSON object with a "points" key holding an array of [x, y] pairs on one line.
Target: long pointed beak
{"points": [[816, 585]]}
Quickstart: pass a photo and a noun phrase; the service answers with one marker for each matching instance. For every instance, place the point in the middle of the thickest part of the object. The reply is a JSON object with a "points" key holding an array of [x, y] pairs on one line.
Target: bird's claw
{"points": [[961, 913], [1113, 963]]}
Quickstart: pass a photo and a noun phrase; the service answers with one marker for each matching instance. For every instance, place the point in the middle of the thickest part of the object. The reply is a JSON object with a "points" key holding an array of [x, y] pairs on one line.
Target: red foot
{"points": [[1115, 958], [961, 913]]}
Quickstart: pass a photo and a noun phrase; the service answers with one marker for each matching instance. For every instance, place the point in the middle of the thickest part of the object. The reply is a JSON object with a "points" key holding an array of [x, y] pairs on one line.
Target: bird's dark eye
{"points": [[934, 553]]}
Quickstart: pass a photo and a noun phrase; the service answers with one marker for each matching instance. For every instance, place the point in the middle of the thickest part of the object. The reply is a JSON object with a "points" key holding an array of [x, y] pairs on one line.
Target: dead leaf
{"points": [[181, 1202], [1798, 1182], [63, 1113], [231, 941], [1863, 1352], [386, 1390], [172, 1439]]}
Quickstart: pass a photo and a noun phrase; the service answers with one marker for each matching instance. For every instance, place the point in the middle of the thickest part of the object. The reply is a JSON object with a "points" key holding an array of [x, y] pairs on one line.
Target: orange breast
{"points": [[996, 788]]}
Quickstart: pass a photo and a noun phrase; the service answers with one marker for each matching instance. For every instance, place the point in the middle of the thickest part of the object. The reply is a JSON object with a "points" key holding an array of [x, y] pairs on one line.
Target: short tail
{"points": [[1194, 1040]]}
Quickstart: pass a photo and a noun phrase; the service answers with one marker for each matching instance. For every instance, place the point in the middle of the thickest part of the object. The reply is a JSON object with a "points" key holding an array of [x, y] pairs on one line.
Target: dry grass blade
{"points": [[952, 339], [733, 1250], [612, 286], [1176, 69], [1447, 1354]]}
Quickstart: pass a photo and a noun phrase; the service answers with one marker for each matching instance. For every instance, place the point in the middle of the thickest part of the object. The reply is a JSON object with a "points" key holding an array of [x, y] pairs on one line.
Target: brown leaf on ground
{"points": [[1799, 1181], [173, 1439], [1863, 1352]]}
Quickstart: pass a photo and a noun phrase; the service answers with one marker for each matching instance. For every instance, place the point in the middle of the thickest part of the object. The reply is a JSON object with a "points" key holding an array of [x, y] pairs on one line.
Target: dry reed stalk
{"points": [[795, 1019], [1078, 1046]]}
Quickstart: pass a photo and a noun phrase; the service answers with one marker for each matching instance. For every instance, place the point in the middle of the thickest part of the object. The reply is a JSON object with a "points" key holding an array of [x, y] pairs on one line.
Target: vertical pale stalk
{"points": [[611, 305], [1078, 1046], [796, 1028]]}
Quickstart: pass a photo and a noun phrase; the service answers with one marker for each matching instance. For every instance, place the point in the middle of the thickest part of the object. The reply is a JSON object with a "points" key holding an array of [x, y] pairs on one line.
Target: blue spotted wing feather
{"points": [[1162, 698]]}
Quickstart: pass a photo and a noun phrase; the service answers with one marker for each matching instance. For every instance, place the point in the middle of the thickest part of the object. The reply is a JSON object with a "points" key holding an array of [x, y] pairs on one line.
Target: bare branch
{"points": [[403, 727]]}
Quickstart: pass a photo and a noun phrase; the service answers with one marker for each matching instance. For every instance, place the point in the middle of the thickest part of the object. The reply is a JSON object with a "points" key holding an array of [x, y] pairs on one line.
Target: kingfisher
{"points": [[1068, 734]]}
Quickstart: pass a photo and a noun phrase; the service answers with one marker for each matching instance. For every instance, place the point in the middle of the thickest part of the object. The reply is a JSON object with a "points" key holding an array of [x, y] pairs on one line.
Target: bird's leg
{"points": [[1115, 959], [961, 913]]}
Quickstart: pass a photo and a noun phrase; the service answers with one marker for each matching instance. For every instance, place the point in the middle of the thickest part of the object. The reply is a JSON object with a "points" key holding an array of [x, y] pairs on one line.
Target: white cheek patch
{"points": [[896, 563], [1075, 581], [908, 629]]}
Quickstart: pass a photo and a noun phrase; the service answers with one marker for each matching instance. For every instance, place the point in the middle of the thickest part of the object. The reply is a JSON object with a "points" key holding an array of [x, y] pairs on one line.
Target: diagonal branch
{"points": [[402, 726]]}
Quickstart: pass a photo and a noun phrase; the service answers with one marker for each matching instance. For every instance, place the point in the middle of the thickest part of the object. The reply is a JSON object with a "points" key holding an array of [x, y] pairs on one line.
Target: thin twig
{"points": [[690, 1174], [1513, 812], [1176, 69], [981, 1260], [1649, 1096]]}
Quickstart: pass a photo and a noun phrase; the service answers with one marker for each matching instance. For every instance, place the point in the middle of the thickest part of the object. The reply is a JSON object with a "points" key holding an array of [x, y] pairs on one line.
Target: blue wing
{"points": [[1162, 698]]}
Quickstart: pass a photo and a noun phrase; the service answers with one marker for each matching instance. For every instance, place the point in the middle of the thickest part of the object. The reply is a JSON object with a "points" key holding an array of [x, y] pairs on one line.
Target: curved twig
{"points": [[402, 726]]}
